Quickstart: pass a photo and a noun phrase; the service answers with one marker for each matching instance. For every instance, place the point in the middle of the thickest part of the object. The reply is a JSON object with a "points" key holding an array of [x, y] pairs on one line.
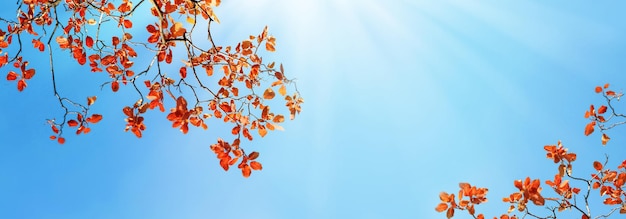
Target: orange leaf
{"points": [[61, 140], [91, 100], [95, 118], [598, 89], [246, 171], [115, 86], [606, 85], [589, 128], [441, 207], [282, 90], [269, 94], [256, 165], [128, 23], [585, 216], [450, 213], [63, 42], [602, 109], [262, 132], [279, 118], [605, 139], [72, 123], [597, 165]]}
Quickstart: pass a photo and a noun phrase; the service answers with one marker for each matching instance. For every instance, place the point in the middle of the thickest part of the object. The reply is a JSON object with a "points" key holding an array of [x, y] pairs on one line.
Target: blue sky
{"points": [[403, 99]]}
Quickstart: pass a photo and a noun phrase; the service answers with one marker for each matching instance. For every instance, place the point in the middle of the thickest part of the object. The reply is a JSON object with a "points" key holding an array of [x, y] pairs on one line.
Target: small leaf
{"points": [[183, 72], [589, 128], [597, 165], [12, 76], [246, 171], [21, 84], [256, 165], [115, 86], [605, 139], [61, 140], [269, 94], [441, 207], [598, 89], [95, 118], [253, 155], [91, 100], [89, 42], [262, 132], [282, 90], [602, 109], [72, 123]]}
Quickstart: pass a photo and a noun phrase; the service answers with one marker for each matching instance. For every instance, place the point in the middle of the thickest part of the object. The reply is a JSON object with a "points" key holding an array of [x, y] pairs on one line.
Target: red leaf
{"points": [[183, 72], [61, 140], [72, 123], [95, 118], [89, 41], [12, 76], [21, 84], [28, 74], [115, 86], [598, 89]]}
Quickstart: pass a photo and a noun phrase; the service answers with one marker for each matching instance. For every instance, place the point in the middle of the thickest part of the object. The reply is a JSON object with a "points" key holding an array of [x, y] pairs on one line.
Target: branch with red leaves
{"points": [[240, 95]]}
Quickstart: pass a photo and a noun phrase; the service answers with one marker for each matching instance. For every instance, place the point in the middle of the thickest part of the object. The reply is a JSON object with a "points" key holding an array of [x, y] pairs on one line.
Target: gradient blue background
{"points": [[404, 99]]}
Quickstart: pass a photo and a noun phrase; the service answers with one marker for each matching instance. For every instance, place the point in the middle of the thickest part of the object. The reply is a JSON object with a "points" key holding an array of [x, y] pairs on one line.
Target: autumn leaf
{"points": [[91, 100], [262, 132], [598, 89], [89, 42], [61, 140], [246, 171], [282, 90], [605, 139], [253, 155], [12, 76], [95, 118], [597, 165], [441, 207], [589, 128], [72, 123], [602, 109], [63, 42], [21, 84], [256, 165], [115, 86], [269, 94]]}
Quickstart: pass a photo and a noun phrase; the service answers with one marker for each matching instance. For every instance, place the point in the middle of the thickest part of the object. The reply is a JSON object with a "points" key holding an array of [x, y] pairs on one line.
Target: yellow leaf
{"points": [[282, 90], [269, 94], [91, 21], [191, 20]]}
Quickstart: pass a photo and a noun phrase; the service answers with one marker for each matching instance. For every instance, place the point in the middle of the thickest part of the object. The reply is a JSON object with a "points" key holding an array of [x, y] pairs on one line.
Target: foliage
{"points": [[608, 183], [231, 84]]}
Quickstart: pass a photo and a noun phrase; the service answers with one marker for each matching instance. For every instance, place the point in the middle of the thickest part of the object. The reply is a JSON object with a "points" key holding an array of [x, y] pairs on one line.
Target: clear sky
{"points": [[403, 99]]}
